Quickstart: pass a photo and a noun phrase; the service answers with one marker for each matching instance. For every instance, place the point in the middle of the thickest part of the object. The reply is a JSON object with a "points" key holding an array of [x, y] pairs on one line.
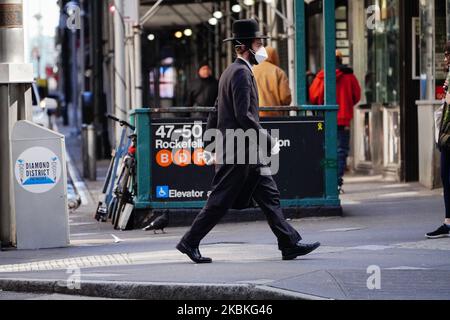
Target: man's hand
{"points": [[276, 149]]}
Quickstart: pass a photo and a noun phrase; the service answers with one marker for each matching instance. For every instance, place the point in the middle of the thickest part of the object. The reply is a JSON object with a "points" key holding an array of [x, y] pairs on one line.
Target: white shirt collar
{"points": [[248, 63]]}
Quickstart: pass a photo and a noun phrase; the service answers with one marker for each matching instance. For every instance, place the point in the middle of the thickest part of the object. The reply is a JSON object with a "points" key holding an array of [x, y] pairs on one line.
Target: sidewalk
{"points": [[383, 225]]}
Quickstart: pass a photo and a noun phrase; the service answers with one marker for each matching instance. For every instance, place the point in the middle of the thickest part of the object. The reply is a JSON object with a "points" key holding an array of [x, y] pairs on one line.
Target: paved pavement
{"points": [[4, 296], [380, 234], [377, 229]]}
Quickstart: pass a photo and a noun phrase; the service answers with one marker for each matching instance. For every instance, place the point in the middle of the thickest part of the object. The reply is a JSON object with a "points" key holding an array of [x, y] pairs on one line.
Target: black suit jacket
{"points": [[237, 107], [203, 93]]}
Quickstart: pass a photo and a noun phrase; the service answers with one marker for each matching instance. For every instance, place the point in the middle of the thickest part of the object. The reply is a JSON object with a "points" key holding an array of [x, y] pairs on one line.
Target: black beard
{"points": [[252, 59]]}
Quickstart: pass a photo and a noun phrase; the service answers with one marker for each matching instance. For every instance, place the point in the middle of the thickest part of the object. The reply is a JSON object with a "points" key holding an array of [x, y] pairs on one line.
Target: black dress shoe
{"points": [[299, 250], [192, 253]]}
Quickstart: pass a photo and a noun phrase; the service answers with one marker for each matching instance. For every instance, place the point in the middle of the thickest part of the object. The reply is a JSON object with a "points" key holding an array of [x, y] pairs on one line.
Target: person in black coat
{"points": [[234, 185], [203, 91]]}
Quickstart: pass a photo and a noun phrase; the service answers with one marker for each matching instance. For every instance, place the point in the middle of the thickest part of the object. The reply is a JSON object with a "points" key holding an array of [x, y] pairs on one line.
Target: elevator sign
{"points": [[38, 170], [179, 171]]}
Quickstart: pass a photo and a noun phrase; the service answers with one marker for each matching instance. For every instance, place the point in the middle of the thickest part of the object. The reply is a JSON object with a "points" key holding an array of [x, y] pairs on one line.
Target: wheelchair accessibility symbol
{"points": [[162, 192]]}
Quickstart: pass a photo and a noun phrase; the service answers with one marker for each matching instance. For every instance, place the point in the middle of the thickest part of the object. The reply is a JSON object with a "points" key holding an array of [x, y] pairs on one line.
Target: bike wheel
{"points": [[122, 195], [117, 194], [120, 207], [111, 207]]}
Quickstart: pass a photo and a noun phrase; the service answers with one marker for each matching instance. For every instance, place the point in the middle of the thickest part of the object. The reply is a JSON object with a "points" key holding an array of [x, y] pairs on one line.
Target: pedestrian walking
{"points": [[236, 185], [273, 84], [348, 94], [203, 91], [443, 141]]}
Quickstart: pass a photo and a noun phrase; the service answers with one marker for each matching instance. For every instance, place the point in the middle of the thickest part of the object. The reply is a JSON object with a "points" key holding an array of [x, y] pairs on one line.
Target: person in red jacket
{"points": [[348, 94]]}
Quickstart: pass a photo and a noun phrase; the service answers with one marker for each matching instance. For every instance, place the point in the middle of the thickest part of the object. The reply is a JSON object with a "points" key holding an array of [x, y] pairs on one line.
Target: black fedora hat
{"points": [[246, 29]]}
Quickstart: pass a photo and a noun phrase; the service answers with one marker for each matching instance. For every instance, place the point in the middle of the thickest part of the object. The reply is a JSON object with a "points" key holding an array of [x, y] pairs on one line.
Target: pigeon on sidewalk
{"points": [[159, 223]]}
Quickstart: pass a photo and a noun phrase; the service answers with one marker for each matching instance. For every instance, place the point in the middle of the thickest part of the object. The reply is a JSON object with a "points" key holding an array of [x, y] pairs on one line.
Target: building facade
{"points": [[394, 47]]}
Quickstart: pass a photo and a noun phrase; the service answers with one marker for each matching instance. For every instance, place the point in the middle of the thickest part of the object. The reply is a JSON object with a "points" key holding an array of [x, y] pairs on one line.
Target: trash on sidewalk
{"points": [[116, 239]]}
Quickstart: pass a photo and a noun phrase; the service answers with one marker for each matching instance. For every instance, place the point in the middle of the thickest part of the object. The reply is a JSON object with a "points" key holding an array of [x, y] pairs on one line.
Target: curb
{"points": [[155, 290]]}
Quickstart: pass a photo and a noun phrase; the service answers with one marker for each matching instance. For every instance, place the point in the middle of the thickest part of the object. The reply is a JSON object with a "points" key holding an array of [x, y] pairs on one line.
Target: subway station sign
{"points": [[179, 172]]}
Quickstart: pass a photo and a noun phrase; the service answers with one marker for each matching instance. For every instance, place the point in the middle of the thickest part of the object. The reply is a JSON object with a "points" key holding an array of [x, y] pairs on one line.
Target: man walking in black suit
{"points": [[237, 185]]}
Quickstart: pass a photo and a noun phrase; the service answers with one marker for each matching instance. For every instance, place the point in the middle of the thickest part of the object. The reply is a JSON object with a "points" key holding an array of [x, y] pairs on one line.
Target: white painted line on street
{"points": [[349, 202], [343, 229], [239, 253], [400, 194], [79, 183], [353, 179], [84, 234], [83, 223], [257, 282], [101, 275], [394, 186], [371, 247], [436, 244], [76, 179], [407, 268]]}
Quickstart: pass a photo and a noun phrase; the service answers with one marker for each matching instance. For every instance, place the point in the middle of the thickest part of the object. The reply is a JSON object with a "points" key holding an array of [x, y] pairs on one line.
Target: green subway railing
{"points": [[142, 120]]}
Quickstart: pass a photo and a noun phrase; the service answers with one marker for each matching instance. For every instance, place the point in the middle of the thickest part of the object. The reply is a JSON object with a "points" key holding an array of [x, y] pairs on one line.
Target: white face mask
{"points": [[260, 55]]}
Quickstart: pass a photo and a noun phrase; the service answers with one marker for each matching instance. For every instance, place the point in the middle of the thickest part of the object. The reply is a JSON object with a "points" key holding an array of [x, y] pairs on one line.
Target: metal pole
{"points": [[228, 34], [97, 28], [150, 12], [291, 47], [131, 66], [300, 41], [75, 95], [119, 65], [84, 150], [92, 152], [138, 66], [15, 82], [137, 60], [128, 85], [330, 99], [82, 57]]}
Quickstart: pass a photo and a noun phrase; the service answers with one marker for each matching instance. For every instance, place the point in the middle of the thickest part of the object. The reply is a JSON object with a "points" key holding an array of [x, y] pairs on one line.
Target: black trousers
{"points": [[445, 176], [222, 197]]}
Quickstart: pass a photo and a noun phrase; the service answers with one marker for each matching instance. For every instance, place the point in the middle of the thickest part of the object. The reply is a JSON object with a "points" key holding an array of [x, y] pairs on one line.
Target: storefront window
{"points": [[383, 44], [433, 36]]}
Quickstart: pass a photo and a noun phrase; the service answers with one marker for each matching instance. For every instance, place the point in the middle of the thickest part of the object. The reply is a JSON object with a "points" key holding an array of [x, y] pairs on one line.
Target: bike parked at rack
{"points": [[120, 186]]}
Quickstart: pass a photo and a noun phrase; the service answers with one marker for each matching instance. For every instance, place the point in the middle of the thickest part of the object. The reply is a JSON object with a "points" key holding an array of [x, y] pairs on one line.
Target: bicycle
{"points": [[121, 204]]}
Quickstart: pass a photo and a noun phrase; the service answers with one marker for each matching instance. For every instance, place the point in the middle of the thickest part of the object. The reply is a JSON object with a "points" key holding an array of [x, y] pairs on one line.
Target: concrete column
{"points": [[429, 155], [119, 65], [15, 82]]}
